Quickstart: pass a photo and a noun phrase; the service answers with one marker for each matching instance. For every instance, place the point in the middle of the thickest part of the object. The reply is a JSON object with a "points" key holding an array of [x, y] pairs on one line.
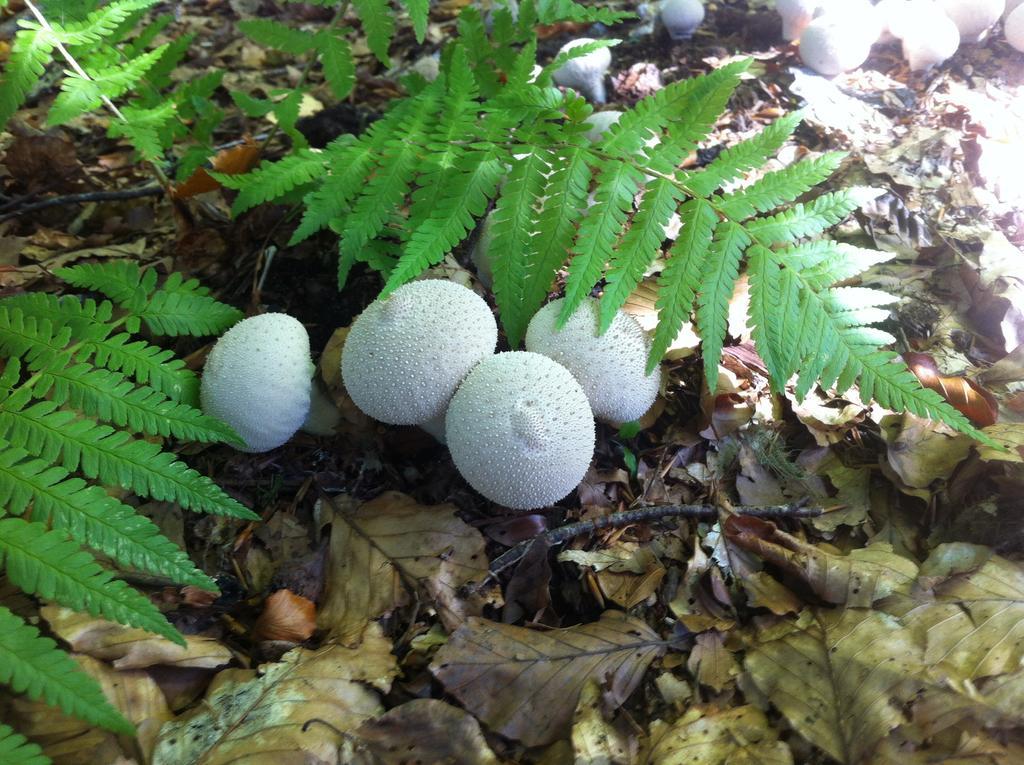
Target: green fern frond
{"points": [[802, 221], [30, 53], [114, 457], [552, 11], [147, 364], [33, 665], [272, 180], [182, 313], [144, 127], [92, 516], [511, 235], [681, 277], [379, 26], [15, 749], [747, 155], [638, 248], [780, 187], [336, 60], [37, 341], [774, 312], [717, 282], [273, 34], [120, 280], [46, 563], [102, 22], [419, 12]]}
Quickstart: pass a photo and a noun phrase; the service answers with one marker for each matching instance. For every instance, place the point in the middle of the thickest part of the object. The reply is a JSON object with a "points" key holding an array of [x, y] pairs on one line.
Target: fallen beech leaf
{"points": [[382, 547], [293, 711], [1009, 435], [968, 397], [425, 731], [858, 579], [286, 616], [234, 161], [972, 619], [596, 740], [839, 677], [739, 736], [129, 648], [922, 451], [711, 662], [524, 684]]}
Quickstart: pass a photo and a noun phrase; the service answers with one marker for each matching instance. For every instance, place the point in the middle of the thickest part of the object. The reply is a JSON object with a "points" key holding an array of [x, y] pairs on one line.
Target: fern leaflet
{"points": [[31, 52], [721, 270], [15, 749]]}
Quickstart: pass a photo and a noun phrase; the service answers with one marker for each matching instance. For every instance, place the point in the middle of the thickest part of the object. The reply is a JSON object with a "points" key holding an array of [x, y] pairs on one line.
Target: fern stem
{"points": [[157, 171], [304, 74]]}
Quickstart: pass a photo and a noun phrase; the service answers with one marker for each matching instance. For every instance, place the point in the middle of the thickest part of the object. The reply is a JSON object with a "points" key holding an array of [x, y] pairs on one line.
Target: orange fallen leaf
{"points": [[286, 616], [234, 161], [963, 394]]}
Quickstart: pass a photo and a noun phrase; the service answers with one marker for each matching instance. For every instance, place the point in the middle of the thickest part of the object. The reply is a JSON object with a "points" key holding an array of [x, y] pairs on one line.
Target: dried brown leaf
{"points": [[595, 739], [839, 677], [383, 548], [739, 736], [525, 684], [711, 662], [286, 616], [857, 579], [293, 711]]}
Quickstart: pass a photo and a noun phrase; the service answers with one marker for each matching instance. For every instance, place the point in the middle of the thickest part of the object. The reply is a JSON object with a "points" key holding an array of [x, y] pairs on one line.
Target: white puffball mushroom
{"points": [[586, 73], [682, 17], [600, 123], [929, 41], [1011, 6], [831, 47], [796, 15], [520, 430], [257, 379], [1014, 28], [611, 368], [973, 17], [407, 353]]}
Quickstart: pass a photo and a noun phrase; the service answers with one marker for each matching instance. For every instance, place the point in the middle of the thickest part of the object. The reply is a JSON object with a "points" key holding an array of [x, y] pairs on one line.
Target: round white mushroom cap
{"points": [[520, 430], [1015, 28], [586, 73], [929, 41], [407, 353], [257, 379], [973, 17], [611, 368], [830, 45], [1011, 6], [601, 123], [682, 17], [796, 15]]}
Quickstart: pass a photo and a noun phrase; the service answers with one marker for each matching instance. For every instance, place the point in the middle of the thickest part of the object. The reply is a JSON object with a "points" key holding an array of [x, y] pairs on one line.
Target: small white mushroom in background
{"points": [[928, 39], [257, 379], [611, 368], [520, 430], [1011, 6], [601, 122], [833, 44], [682, 17], [585, 74], [1014, 28], [796, 15], [407, 353], [973, 17]]}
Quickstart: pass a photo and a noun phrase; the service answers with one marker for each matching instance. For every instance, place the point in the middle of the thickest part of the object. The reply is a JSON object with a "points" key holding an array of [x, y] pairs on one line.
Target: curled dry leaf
{"points": [[857, 579], [971, 399], [839, 677], [383, 548], [423, 730], [129, 648], [233, 161], [738, 736], [298, 708], [286, 616], [525, 684], [971, 618]]}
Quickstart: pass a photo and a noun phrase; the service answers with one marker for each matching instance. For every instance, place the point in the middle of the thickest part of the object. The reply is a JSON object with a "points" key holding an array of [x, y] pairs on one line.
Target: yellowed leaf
{"points": [[922, 451], [525, 684], [1009, 435], [384, 548], [296, 710], [129, 648], [711, 662], [839, 677], [738, 736], [595, 739]]}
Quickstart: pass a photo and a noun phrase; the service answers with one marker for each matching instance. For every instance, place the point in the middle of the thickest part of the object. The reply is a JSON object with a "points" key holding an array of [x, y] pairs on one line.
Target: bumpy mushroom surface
{"points": [[257, 379], [1015, 28], [406, 354], [611, 368], [929, 40], [586, 73], [682, 17], [973, 17], [833, 44], [520, 430]]}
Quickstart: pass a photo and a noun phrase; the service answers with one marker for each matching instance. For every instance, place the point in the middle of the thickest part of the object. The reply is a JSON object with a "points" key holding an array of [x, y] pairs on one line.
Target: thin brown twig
{"points": [[151, 190], [640, 515]]}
